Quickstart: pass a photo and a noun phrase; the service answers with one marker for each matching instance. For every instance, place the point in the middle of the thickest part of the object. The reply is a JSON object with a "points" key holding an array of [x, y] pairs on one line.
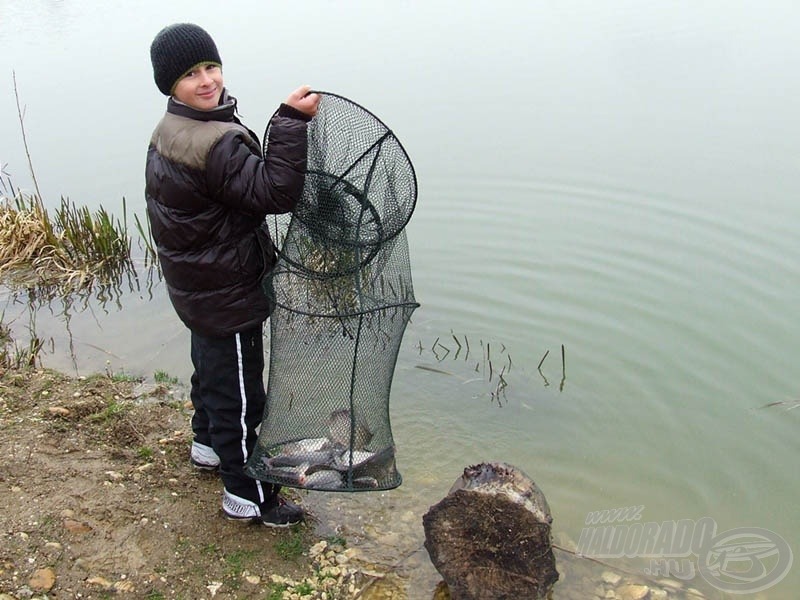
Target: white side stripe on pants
{"points": [[243, 395]]}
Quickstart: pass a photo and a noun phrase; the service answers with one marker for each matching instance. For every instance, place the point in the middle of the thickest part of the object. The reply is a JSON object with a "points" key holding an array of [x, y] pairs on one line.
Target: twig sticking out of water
{"points": [[458, 351], [440, 345], [539, 368], [456, 340], [500, 388]]}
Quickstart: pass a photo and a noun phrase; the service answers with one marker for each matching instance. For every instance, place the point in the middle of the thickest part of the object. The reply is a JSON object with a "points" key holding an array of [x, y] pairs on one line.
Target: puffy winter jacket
{"points": [[208, 191]]}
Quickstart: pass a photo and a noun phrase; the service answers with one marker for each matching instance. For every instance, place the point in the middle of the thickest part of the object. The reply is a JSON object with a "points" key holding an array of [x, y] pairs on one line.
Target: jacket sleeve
{"points": [[238, 177]]}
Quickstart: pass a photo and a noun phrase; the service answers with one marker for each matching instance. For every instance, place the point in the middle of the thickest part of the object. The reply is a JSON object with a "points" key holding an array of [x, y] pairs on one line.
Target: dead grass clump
{"points": [[26, 235]]}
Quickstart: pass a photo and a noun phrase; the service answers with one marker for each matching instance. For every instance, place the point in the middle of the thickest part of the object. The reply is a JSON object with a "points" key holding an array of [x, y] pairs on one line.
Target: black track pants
{"points": [[228, 397]]}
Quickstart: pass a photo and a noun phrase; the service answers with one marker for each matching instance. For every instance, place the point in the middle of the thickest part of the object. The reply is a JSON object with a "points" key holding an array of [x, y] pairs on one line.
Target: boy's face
{"points": [[201, 87]]}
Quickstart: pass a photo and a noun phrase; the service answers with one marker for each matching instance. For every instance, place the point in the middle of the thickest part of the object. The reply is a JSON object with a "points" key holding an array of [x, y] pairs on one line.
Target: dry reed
{"points": [[70, 251]]}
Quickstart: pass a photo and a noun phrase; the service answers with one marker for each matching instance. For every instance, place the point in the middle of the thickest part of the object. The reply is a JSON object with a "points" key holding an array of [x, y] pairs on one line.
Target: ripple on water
{"points": [[677, 317]]}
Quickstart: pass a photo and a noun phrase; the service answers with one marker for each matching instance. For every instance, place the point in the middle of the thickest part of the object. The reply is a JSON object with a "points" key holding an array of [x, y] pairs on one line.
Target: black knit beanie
{"points": [[176, 50]]}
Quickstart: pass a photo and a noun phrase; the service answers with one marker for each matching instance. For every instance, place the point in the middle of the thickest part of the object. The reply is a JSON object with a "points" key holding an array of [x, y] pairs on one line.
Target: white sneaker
{"points": [[236, 508], [203, 457], [277, 513]]}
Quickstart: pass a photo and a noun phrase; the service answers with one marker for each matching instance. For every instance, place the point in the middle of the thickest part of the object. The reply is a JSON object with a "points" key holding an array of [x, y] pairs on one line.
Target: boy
{"points": [[208, 190]]}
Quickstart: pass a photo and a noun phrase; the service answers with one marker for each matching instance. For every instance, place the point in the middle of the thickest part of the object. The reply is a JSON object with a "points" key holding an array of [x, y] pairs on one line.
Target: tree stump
{"points": [[489, 537]]}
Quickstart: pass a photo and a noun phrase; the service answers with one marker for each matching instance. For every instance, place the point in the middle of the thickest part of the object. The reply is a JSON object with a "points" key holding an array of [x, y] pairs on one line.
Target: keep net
{"points": [[343, 295]]}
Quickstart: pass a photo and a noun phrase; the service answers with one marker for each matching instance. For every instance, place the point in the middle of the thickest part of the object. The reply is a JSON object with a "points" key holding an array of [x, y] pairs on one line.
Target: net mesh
{"points": [[343, 295]]}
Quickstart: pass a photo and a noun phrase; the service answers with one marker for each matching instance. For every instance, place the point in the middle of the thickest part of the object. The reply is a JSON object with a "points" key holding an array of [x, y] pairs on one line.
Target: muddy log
{"points": [[489, 537]]}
